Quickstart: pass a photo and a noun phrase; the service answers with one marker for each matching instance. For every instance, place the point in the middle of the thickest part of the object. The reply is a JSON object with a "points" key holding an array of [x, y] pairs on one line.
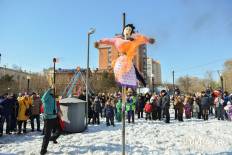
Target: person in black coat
{"points": [[205, 105], [2, 98], [147, 98], [166, 105], [7, 108], [198, 101], [96, 106], [14, 114], [90, 111], [140, 106], [103, 102], [109, 112], [159, 107]]}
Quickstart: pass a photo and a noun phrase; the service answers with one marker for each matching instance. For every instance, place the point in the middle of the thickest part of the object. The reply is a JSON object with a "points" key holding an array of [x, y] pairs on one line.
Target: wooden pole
{"points": [[123, 21], [123, 119], [123, 103]]}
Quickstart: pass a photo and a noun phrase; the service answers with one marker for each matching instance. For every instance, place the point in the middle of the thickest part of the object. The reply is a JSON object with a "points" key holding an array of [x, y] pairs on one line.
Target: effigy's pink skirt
{"points": [[125, 72]]}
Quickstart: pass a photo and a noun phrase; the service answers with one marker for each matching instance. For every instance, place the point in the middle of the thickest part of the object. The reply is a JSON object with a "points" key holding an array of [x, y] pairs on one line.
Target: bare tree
{"points": [[39, 83], [194, 84], [227, 75], [184, 83]]}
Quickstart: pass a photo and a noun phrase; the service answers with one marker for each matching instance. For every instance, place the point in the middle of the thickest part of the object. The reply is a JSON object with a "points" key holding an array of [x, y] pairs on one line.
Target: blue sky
{"points": [[192, 36]]}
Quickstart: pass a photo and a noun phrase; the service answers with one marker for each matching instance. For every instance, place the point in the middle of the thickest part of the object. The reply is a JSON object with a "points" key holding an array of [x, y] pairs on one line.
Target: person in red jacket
{"points": [[60, 114], [148, 110]]}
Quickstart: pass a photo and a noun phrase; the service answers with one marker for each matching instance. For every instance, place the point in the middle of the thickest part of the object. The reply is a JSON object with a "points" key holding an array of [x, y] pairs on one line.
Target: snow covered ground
{"points": [[144, 137]]}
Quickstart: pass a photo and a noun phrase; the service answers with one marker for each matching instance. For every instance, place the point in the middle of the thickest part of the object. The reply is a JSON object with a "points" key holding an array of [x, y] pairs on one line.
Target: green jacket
{"points": [[119, 106], [49, 104], [130, 104]]}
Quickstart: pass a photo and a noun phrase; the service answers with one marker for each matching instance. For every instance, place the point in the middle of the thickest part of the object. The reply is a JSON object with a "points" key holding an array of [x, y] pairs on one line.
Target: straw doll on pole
{"points": [[126, 74]]}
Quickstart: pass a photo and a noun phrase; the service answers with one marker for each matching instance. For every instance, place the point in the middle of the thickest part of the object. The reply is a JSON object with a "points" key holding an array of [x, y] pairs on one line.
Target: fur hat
{"points": [[163, 91]]}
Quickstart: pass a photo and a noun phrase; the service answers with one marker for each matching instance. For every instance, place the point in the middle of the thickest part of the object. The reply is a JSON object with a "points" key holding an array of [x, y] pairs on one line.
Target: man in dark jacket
{"points": [[159, 107], [205, 104], [166, 105], [211, 101], [1, 107], [35, 111], [140, 106], [96, 110], [2, 98], [179, 106], [14, 114], [103, 102], [109, 112], [7, 108]]}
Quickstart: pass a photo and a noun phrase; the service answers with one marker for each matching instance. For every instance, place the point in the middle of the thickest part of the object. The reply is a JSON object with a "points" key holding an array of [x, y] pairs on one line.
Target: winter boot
{"points": [[207, 117], [43, 152], [55, 142]]}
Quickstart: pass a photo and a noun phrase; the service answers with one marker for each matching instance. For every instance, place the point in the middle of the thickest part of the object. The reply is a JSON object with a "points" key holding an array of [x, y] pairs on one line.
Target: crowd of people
{"points": [[156, 106], [16, 111], [201, 105]]}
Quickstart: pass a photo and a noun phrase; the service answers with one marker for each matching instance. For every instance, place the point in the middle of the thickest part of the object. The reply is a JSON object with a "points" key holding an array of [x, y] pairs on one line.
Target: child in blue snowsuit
{"points": [[109, 112]]}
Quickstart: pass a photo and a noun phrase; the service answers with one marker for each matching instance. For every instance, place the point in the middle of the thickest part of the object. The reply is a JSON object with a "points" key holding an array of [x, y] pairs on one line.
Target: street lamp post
{"points": [[54, 75], [152, 76], [91, 31], [28, 83]]}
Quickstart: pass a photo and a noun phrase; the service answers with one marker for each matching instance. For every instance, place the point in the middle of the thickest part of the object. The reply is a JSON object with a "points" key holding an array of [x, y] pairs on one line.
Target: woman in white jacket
{"points": [[228, 110]]}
